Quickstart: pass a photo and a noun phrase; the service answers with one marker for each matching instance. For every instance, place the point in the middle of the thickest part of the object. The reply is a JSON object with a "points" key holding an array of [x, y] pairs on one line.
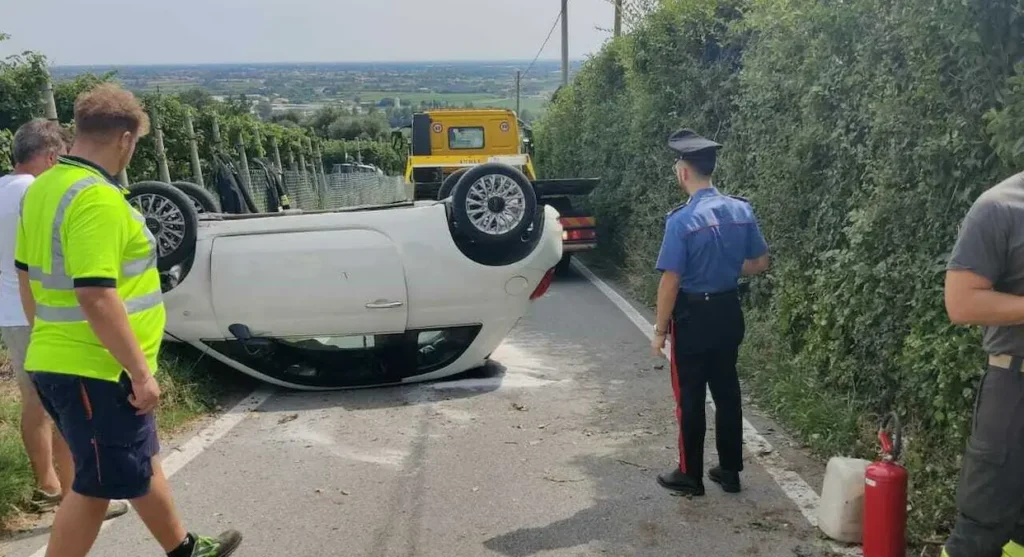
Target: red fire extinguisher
{"points": [[885, 497]]}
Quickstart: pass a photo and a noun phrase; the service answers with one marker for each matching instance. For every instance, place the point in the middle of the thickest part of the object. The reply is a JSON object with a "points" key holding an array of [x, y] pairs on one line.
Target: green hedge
{"points": [[861, 131]]}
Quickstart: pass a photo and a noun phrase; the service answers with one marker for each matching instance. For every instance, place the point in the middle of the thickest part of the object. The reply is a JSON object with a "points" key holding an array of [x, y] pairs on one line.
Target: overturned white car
{"points": [[356, 297]]}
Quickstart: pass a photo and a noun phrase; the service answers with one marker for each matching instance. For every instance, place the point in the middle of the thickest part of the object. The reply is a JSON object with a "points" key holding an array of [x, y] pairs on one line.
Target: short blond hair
{"points": [[108, 110]]}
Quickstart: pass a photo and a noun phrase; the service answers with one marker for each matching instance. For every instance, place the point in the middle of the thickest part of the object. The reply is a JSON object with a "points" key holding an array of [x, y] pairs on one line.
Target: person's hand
{"points": [[145, 393], [658, 345]]}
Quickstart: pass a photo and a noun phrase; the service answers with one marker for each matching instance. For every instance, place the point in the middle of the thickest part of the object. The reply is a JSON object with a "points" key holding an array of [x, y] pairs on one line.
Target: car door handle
{"points": [[384, 305]]}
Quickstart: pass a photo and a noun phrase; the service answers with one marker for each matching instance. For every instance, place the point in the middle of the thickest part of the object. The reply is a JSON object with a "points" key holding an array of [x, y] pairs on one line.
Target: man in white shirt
{"points": [[37, 144]]}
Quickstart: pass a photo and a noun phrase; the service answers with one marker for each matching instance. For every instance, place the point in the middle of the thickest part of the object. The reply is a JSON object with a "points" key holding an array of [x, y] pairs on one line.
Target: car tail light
{"points": [[544, 284], [577, 235]]}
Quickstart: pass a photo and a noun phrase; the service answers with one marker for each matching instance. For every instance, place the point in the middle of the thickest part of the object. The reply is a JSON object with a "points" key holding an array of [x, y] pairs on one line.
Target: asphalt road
{"points": [[551, 452]]}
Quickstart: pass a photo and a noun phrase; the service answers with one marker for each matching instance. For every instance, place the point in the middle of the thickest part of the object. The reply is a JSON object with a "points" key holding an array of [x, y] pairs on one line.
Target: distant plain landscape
{"points": [[307, 87]]}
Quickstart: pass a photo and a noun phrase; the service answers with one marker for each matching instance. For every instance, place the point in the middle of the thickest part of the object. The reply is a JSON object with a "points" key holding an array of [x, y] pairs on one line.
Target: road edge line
{"points": [[792, 484], [189, 450]]}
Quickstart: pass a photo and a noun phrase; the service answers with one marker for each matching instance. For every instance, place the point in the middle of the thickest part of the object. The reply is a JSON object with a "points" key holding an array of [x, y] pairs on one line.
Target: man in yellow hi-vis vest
{"points": [[91, 290]]}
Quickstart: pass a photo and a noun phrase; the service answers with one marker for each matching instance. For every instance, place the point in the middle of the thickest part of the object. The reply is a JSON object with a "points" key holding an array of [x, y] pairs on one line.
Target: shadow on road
{"points": [[472, 383]]}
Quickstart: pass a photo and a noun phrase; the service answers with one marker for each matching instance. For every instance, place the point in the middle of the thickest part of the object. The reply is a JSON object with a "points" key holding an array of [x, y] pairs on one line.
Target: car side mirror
{"points": [[244, 335]]}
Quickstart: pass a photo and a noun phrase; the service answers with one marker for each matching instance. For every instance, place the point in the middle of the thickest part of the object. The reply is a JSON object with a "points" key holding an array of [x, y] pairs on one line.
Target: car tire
{"points": [[476, 204], [203, 200], [170, 216], [449, 184]]}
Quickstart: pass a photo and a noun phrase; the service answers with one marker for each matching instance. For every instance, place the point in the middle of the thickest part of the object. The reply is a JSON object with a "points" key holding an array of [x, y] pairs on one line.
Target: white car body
{"points": [[335, 279]]}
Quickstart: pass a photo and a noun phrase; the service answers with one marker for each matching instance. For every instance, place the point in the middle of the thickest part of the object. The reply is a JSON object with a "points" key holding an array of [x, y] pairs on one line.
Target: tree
{"points": [[289, 118], [22, 77], [197, 98], [66, 92], [264, 110]]}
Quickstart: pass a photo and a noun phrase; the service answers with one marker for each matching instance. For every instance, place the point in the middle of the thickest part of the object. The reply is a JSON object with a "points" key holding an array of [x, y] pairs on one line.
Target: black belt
{"points": [[709, 296]]}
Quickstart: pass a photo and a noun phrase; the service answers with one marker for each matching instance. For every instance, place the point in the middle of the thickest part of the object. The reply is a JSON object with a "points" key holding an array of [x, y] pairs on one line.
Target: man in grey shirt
{"points": [[985, 286]]}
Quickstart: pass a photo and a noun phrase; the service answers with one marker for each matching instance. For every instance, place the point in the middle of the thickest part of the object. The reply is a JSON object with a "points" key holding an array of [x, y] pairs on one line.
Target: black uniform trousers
{"points": [[990, 498], [706, 336]]}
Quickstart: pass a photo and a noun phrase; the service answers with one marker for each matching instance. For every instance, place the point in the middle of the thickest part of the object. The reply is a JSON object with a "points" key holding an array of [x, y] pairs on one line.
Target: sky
{"points": [[124, 32]]}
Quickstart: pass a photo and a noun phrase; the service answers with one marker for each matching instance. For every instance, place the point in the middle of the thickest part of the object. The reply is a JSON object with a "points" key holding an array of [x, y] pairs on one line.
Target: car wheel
{"points": [[449, 183], [202, 200], [494, 203], [170, 216]]}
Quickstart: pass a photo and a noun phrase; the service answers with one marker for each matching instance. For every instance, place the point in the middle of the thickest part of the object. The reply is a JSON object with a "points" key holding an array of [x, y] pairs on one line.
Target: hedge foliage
{"points": [[861, 132]]}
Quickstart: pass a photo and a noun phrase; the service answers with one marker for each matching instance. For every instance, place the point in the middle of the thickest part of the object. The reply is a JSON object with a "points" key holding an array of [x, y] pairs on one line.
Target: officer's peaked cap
{"points": [[686, 143]]}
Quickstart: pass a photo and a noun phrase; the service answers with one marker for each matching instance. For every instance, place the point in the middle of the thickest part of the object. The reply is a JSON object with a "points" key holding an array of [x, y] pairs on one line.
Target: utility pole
{"points": [[618, 18], [193, 147], [565, 42], [519, 88]]}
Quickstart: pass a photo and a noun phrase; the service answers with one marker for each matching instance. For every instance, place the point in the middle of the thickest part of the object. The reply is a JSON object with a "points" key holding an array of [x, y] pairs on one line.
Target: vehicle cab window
{"points": [[466, 138]]}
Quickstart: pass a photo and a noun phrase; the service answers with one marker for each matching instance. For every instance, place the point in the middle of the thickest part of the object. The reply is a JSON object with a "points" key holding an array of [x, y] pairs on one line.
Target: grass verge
{"points": [[827, 424], [191, 387]]}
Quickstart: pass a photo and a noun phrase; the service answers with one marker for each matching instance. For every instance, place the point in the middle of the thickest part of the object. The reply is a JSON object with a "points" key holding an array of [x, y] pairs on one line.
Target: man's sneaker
{"points": [[1013, 549], [730, 481], [681, 483], [43, 502], [221, 546], [116, 509]]}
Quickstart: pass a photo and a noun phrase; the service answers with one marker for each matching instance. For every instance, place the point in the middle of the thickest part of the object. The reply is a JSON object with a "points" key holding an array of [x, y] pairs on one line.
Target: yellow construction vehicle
{"points": [[443, 144]]}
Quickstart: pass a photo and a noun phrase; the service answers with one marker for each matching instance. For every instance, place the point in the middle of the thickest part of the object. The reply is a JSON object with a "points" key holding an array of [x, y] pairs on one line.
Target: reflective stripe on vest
{"points": [[58, 279], [75, 313]]}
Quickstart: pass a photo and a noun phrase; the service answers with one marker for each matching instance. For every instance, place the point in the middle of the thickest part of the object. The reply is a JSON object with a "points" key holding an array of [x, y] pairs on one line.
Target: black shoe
{"points": [[679, 482], [730, 481]]}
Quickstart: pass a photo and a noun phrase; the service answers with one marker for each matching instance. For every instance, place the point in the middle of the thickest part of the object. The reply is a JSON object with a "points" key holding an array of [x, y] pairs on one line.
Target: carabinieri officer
{"points": [[710, 242]]}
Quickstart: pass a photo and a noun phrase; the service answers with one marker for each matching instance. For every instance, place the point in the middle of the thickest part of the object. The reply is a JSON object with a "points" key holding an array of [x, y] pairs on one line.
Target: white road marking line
{"points": [[212, 433], [794, 486], [192, 448]]}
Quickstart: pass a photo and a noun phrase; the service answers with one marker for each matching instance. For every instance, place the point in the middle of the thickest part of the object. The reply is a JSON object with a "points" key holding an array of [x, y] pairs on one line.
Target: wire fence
{"points": [[340, 190]]}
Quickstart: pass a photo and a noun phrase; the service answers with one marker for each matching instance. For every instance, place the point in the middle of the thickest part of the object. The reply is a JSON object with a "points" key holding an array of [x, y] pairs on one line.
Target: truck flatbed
{"points": [[544, 188]]}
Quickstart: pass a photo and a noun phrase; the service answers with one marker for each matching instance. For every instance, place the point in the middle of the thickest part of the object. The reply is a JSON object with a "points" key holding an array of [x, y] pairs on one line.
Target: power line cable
{"points": [[543, 46]]}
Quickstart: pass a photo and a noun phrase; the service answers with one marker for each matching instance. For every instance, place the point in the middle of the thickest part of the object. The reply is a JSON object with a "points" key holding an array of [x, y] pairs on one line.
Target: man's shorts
{"points": [[111, 446], [16, 340]]}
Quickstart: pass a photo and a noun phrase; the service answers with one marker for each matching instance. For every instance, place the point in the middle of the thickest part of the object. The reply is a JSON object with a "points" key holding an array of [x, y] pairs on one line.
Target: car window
{"points": [[466, 138], [337, 361]]}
